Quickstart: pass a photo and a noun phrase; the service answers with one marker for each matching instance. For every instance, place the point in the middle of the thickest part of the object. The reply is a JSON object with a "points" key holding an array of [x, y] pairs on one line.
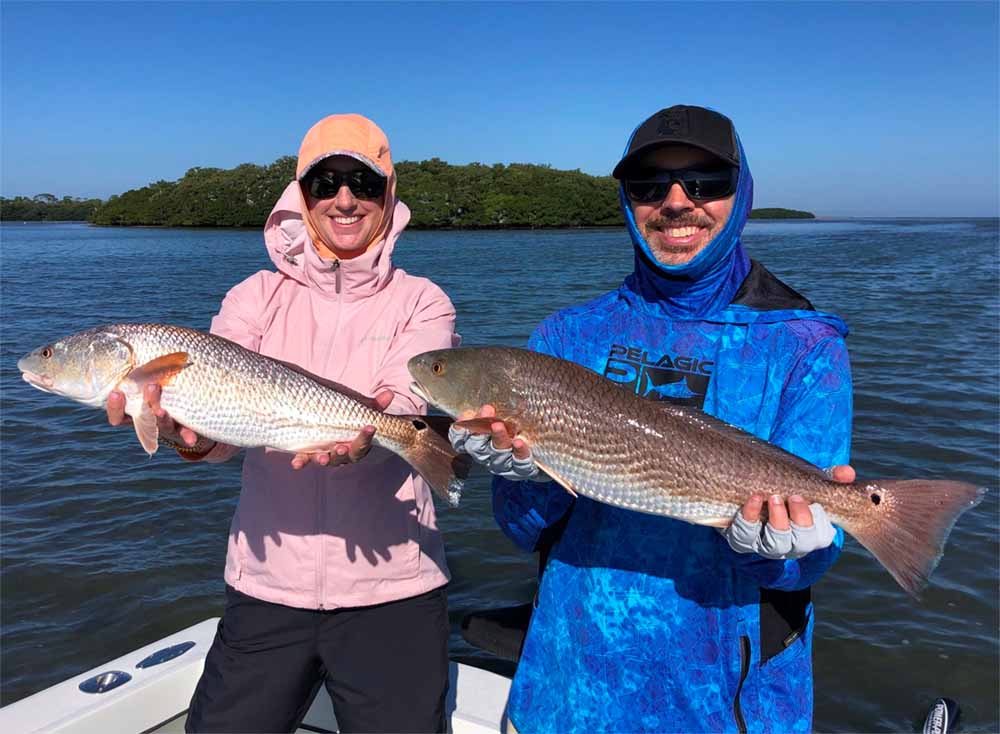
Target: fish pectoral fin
{"points": [[557, 479], [144, 421], [714, 522], [318, 448], [485, 425], [159, 371]]}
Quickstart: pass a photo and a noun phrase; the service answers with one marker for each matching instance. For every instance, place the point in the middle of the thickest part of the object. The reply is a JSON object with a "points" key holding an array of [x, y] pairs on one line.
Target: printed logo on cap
{"points": [[674, 122]]}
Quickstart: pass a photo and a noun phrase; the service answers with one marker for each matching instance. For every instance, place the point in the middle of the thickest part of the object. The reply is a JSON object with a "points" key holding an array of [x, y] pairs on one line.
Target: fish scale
{"points": [[686, 483], [250, 401], [602, 442]]}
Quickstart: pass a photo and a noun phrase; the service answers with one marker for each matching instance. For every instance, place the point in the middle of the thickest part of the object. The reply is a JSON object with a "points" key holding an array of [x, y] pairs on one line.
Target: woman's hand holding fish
{"points": [[498, 451], [348, 452], [793, 529], [169, 429]]}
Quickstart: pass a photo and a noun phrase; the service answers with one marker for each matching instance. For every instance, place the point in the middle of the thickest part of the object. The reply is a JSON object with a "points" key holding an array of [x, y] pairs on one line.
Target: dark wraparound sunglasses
{"points": [[697, 184], [364, 184]]}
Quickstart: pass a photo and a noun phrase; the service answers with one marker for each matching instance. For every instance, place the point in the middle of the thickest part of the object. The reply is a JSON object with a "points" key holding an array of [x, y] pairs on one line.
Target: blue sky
{"points": [[844, 109]]}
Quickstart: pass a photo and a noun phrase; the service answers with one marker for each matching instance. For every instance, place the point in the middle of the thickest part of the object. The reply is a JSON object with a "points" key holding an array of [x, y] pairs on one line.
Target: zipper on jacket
{"points": [[321, 482], [744, 669], [335, 267], [787, 642]]}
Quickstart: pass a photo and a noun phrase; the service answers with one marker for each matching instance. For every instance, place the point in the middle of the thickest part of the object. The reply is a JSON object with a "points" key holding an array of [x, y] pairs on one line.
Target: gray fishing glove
{"points": [[780, 545], [501, 462]]}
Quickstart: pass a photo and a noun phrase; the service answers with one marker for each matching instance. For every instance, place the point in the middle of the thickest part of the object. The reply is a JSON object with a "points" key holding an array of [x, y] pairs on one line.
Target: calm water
{"points": [[104, 550]]}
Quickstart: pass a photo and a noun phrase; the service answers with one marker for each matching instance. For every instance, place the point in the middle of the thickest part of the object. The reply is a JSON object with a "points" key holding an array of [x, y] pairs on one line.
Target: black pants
{"points": [[385, 666]]}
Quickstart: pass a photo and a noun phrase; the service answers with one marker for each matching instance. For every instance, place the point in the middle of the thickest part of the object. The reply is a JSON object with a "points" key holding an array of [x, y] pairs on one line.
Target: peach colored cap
{"points": [[352, 135]]}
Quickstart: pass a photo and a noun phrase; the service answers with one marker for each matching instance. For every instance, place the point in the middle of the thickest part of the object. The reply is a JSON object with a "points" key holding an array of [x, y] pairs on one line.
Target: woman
{"points": [[336, 570]]}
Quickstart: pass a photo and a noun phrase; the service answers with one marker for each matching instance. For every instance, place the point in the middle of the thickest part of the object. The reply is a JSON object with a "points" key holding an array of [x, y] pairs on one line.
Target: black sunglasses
{"points": [[364, 184], [697, 184]]}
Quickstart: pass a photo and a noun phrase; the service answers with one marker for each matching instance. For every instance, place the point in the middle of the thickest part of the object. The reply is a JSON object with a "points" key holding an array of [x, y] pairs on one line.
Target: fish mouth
{"points": [[42, 382], [417, 390]]}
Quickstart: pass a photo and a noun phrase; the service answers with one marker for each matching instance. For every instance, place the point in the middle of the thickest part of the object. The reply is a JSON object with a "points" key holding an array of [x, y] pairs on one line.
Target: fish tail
{"points": [[912, 521], [432, 455]]}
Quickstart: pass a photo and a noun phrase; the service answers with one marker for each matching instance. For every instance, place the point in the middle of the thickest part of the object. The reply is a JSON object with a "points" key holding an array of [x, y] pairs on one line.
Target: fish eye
{"points": [[47, 352], [437, 368]]}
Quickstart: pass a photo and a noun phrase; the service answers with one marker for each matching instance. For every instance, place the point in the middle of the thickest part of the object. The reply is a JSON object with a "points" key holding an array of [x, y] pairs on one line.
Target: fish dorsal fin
{"points": [[693, 415], [159, 371]]}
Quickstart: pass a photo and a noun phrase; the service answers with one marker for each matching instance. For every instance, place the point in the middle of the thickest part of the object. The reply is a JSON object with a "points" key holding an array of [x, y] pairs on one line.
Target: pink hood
{"points": [[286, 240], [328, 537]]}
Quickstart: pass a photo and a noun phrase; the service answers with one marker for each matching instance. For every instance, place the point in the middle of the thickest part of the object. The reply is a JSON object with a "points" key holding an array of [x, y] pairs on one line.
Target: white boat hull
{"points": [[155, 699]]}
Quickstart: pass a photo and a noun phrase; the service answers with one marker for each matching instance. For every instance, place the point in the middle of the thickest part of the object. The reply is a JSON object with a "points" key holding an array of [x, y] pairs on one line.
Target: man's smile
{"points": [[679, 236]]}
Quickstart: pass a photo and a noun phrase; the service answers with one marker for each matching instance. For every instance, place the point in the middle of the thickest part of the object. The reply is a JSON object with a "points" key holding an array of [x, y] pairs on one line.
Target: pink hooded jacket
{"points": [[353, 535]]}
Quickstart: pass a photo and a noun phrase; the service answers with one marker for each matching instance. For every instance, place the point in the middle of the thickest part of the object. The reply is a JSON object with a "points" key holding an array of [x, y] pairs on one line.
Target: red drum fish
{"points": [[600, 441], [227, 393]]}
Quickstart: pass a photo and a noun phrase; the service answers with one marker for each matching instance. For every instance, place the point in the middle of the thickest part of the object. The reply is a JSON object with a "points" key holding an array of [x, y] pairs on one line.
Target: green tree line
{"points": [[440, 196], [46, 207], [779, 213]]}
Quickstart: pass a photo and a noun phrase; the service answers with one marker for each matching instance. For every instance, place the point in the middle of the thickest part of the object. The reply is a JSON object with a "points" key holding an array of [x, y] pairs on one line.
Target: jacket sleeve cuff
{"points": [[524, 509], [809, 569], [805, 571], [765, 571]]}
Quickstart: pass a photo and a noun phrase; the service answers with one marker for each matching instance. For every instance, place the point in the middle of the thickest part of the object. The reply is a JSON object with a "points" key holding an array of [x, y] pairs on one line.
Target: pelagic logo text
{"points": [[678, 378]]}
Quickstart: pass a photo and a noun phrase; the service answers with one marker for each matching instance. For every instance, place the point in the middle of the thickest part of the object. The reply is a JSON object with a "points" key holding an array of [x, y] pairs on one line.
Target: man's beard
{"points": [[661, 224], [673, 255]]}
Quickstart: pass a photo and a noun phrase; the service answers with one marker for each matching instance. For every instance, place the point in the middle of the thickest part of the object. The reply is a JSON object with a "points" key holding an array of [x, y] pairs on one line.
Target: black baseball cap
{"points": [[684, 125]]}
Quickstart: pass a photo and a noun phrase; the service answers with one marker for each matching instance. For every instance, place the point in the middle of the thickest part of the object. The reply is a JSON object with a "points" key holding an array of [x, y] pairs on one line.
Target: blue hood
{"points": [[708, 283]]}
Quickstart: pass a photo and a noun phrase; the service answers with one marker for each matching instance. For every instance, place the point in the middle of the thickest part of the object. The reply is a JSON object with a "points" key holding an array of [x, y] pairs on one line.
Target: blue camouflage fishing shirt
{"points": [[649, 624]]}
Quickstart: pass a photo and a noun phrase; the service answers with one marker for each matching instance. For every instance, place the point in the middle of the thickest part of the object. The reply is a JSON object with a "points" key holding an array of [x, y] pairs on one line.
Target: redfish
{"points": [[230, 394], [602, 442]]}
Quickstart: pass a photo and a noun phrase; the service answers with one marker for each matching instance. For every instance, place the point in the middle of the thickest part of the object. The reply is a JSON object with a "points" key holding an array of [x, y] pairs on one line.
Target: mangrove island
{"points": [[440, 196]]}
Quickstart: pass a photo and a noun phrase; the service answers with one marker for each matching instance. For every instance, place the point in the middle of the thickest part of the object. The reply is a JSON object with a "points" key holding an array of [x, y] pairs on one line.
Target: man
{"points": [[645, 623]]}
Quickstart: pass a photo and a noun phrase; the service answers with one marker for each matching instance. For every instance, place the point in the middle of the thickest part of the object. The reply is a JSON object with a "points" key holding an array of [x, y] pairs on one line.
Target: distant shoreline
{"points": [[815, 220], [442, 197], [409, 228], [39, 213]]}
